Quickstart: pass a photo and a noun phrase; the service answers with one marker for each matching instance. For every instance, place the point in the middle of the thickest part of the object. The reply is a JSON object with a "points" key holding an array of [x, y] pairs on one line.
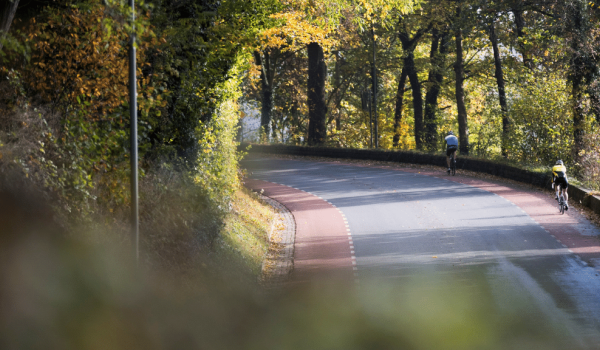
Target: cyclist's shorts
{"points": [[450, 149], [562, 181]]}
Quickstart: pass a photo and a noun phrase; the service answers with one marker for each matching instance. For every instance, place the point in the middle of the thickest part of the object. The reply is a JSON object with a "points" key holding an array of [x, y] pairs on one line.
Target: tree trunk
{"points": [[415, 86], [374, 91], [266, 80], [577, 82], [430, 136], [595, 103], [463, 137], [295, 122], [436, 77], [501, 91], [579, 69], [520, 23], [317, 108], [578, 117], [409, 45], [8, 9], [398, 111], [337, 98]]}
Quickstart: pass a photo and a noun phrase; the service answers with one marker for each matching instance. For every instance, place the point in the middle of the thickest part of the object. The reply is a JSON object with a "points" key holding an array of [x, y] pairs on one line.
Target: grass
{"points": [[245, 237]]}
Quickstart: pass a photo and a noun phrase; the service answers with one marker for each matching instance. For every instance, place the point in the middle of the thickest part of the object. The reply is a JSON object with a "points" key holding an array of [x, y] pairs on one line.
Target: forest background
{"points": [[515, 80]]}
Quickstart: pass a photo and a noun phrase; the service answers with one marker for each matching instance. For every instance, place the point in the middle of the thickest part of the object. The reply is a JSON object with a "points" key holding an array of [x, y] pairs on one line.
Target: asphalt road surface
{"points": [[405, 224]]}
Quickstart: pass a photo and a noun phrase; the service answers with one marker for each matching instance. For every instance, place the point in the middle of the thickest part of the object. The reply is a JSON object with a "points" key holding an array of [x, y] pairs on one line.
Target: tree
{"points": [[267, 62], [309, 23], [343, 75], [489, 16], [409, 45], [317, 108], [439, 48], [583, 67], [463, 136], [289, 122], [501, 90], [295, 33], [399, 105], [517, 9]]}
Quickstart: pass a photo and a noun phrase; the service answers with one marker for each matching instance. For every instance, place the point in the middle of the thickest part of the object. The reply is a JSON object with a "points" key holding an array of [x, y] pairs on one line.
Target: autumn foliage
{"points": [[65, 115], [76, 60]]}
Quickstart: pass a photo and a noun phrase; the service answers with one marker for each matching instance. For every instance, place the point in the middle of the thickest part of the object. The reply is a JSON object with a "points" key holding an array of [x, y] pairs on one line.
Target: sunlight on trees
{"points": [[518, 75]]}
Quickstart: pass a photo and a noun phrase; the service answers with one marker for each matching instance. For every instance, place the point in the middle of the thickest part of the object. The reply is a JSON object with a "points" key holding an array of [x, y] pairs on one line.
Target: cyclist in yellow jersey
{"points": [[559, 178]]}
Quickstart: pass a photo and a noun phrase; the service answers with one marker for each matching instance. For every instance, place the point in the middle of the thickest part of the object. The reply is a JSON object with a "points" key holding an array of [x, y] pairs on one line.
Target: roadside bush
{"points": [[217, 161], [589, 159], [73, 145], [88, 185], [178, 222]]}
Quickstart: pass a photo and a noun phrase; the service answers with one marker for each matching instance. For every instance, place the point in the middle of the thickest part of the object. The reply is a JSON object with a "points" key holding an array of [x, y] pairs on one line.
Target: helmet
{"points": [[450, 132], [559, 162]]}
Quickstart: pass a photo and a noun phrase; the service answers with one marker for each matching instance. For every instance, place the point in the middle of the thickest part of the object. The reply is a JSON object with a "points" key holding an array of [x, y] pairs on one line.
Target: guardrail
{"points": [[576, 193]]}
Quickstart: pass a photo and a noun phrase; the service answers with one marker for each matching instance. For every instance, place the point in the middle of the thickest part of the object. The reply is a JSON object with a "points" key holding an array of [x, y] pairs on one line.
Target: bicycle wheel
{"points": [[561, 204], [453, 164]]}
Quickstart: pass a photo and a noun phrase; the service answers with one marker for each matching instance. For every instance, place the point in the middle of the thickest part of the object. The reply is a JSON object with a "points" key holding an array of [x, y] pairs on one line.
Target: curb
{"points": [[281, 245]]}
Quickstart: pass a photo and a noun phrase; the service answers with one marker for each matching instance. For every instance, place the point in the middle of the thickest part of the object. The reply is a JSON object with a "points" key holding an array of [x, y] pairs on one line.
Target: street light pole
{"points": [[135, 224]]}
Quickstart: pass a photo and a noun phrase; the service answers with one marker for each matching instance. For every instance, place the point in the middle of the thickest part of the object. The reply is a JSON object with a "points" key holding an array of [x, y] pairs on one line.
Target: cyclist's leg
{"points": [[565, 187], [561, 192], [564, 195]]}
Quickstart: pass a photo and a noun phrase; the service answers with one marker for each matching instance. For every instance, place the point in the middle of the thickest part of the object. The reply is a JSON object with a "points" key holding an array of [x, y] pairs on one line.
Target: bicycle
{"points": [[561, 202], [452, 165]]}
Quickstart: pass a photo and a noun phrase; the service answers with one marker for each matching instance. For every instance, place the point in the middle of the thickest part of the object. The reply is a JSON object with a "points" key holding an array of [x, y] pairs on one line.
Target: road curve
{"points": [[321, 247], [409, 223]]}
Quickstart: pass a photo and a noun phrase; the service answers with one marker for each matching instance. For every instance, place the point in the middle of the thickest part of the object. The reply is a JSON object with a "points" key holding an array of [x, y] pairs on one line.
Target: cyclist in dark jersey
{"points": [[451, 147], [559, 177]]}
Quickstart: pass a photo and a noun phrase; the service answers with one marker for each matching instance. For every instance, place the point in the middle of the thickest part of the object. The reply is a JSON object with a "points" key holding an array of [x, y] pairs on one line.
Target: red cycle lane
{"points": [[322, 244]]}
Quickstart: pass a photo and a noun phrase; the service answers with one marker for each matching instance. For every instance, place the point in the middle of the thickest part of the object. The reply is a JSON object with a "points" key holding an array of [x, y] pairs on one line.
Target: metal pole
{"points": [[135, 224], [374, 81]]}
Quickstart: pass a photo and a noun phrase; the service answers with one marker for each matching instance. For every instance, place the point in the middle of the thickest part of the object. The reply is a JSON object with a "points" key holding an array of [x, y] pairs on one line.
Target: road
{"points": [[404, 225]]}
